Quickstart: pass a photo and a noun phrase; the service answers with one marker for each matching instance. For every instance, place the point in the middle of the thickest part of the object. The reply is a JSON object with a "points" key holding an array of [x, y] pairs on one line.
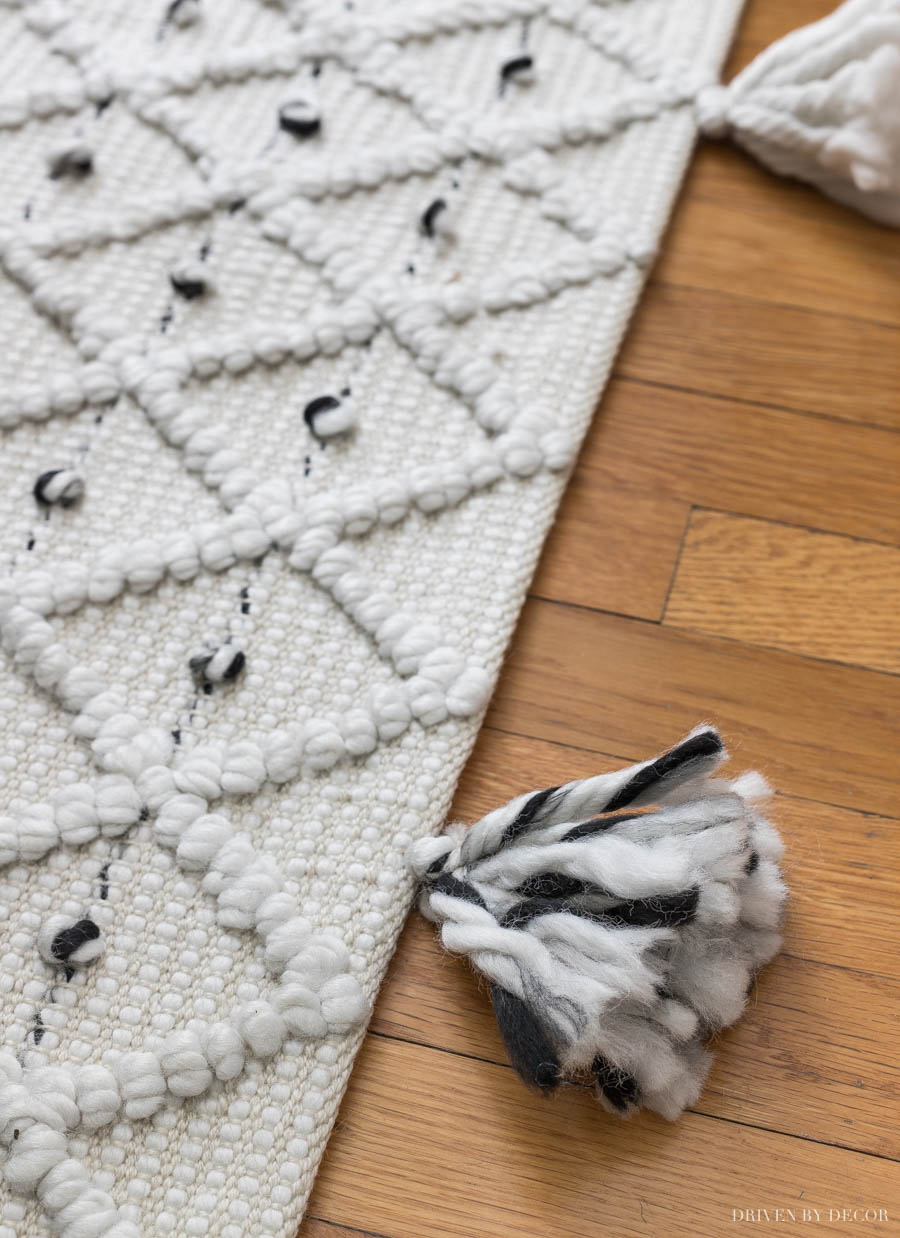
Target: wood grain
{"points": [[810, 1057], [315, 1227], [753, 461], [738, 226], [784, 587], [729, 344], [559, 1170], [592, 680], [613, 546]]}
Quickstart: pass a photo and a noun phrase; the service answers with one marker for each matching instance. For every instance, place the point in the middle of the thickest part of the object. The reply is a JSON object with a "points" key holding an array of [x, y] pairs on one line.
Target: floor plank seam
{"points": [[776, 649], [352, 1229], [712, 637], [863, 319], [677, 564], [803, 528], [742, 402], [631, 757], [700, 1113]]}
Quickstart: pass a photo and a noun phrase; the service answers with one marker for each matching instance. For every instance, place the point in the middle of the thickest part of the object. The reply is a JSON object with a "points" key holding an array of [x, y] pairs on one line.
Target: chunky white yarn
{"points": [[617, 936]]}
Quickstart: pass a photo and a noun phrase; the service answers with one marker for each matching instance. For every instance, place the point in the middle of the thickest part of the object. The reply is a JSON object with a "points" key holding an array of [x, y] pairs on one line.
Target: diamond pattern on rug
{"points": [[307, 307]]}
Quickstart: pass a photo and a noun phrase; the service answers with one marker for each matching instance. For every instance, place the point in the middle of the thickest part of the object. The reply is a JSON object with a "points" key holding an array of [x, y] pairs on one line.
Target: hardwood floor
{"points": [[729, 548]]}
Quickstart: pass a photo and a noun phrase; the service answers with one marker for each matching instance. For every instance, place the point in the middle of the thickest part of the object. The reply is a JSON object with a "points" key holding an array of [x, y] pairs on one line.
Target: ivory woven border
{"points": [[240, 846]]}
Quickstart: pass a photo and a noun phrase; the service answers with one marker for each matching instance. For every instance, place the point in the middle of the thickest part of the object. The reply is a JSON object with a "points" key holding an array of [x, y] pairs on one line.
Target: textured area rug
{"points": [[305, 311]]}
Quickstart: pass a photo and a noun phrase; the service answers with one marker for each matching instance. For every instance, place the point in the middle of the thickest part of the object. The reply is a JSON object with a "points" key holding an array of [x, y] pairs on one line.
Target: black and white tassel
{"points": [[823, 105], [619, 919]]}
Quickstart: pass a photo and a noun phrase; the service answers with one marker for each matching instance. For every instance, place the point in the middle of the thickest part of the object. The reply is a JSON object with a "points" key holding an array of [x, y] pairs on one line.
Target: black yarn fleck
{"points": [[200, 662], [752, 863], [321, 404], [71, 164], [431, 214], [518, 64], [530, 1049], [706, 744], [299, 126], [190, 289], [619, 1088], [173, 9], [528, 814], [235, 666], [68, 940], [40, 487]]}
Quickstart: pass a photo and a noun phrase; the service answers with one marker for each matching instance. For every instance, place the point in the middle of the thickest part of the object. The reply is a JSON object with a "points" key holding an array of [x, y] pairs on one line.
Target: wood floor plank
{"points": [[763, 23], [612, 546], [726, 343], [813, 1055], [314, 1227], [592, 680], [739, 226], [786, 588], [432, 1145], [841, 866], [752, 461]]}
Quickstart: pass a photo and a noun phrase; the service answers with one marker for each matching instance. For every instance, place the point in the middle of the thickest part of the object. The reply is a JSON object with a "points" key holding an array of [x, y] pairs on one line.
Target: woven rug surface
{"points": [[305, 311]]}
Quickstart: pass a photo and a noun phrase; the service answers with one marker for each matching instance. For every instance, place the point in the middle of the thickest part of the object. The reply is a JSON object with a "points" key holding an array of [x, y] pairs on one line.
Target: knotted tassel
{"points": [[823, 105], [619, 919]]}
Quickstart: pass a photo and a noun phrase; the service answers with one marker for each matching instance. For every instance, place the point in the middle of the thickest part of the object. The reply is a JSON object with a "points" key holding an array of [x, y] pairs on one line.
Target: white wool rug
{"points": [[305, 311]]}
